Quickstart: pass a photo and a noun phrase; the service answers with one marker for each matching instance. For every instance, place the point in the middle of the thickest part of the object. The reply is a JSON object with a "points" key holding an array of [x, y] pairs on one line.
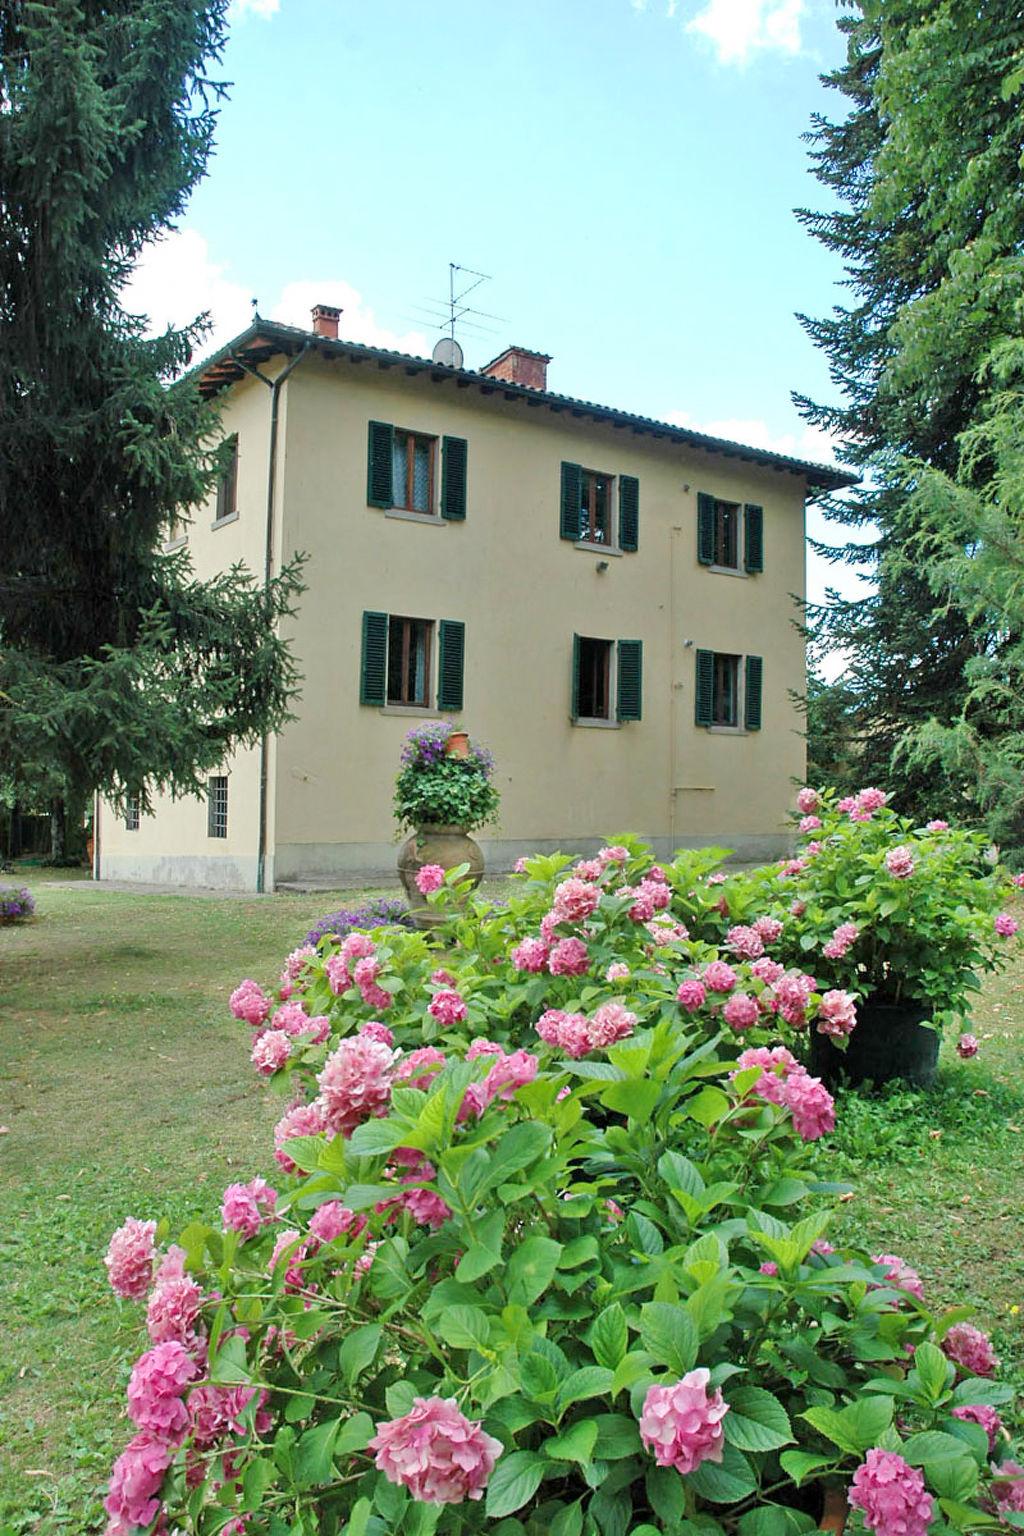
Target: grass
{"points": [[127, 1090]]}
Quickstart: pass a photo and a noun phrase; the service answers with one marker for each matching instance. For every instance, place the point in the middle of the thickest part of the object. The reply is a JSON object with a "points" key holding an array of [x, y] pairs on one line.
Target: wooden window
{"points": [[725, 698], [727, 534], [593, 672], [412, 472], [409, 648], [227, 484], [217, 807], [132, 813], [595, 513]]}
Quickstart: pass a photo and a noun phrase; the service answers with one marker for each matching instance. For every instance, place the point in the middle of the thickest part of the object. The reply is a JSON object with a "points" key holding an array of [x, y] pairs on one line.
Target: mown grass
{"points": [[125, 1088]]}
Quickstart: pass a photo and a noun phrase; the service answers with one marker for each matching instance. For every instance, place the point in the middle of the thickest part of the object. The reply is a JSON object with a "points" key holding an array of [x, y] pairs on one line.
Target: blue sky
{"points": [[626, 170]]}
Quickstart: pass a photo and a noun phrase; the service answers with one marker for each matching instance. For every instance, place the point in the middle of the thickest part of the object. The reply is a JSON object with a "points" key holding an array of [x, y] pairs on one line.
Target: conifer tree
{"points": [[119, 670]]}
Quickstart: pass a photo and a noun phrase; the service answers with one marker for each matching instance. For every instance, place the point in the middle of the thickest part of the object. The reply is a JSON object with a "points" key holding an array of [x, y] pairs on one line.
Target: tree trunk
{"points": [[58, 830]]}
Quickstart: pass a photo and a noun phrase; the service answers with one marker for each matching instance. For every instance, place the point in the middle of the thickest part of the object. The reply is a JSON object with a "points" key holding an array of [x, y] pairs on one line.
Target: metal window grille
{"points": [[132, 814], [217, 808]]}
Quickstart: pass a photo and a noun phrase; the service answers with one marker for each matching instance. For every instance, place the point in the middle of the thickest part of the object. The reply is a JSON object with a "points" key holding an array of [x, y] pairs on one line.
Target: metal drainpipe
{"points": [[275, 386]]}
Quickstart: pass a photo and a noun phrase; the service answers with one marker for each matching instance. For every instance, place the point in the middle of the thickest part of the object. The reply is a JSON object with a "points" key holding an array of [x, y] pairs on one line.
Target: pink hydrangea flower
{"points": [[792, 867], [798, 908], [447, 1007], [510, 1073], [791, 995], [970, 1348], [216, 1412], [355, 1083], [769, 1267], [768, 929], [719, 977], [682, 1424], [837, 1015], [741, 1011], [246, 1208], [691, 995], [375, 1030], [810, 1104], [249, 1002], [568, 1031], [744, 942], [419, 1068], [366, 972], [899, 861], [718, 878], [986, 1416], [609, 1023], [842, 937], [588, 869], [425, 1206], [807, 800], [339, 977], [519, 867], [1005, 925], [297, 961], [937, 826], [429, 878], [967, 1046], [436, 1452], [285, 1248], [569, 957], [574, 900], [482, 1047], [1008, 1487], [135, 1482], [357, 946], [300, 1120], [776, 1064], [156, 1386], [900, 1274], [1018, 881], [617, 971], [130, 1259], [173, 1309], [891, 1494], [270, 1051], [810, 823], [291, 1019], [616, 854], [871, 799], [530, 955], [332, 1219]]}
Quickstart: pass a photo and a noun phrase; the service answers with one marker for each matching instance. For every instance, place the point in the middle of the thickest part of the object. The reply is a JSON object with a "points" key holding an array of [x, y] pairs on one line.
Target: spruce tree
{"points": [[119, 670], [924, 167]]}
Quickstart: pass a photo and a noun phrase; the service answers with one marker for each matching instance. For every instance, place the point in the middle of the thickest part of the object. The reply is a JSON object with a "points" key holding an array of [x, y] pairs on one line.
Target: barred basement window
{"points": [[412, 472], [217, 807], [133, 813], [409, 647]]}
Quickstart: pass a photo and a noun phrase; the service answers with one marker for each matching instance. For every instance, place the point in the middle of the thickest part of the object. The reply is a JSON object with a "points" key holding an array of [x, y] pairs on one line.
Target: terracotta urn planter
{"points": [[458, 744], [447, 846], [835, 1513]]}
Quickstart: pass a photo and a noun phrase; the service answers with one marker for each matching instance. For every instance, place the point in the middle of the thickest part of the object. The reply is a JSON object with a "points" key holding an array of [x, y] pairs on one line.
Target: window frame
{"points": [[407, 621], [721, 507], [734, 659], [589, 478], [411, 438], [608, 718], [217, 806], [226, 506], [132, 813]]}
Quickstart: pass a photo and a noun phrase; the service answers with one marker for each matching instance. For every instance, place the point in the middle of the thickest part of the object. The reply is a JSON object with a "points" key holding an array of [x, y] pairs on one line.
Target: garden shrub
{"points": [[544, 1253], [434, 789], [16, 902], [375, 912]]}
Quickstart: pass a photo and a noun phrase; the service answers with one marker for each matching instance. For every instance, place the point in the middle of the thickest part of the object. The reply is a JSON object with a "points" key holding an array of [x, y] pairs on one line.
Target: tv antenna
{"points": [[445, 314]]}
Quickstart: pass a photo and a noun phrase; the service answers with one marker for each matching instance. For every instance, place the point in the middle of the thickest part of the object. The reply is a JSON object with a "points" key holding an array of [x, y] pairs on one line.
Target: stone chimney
{"points": [[325, 320], [518, 366]]}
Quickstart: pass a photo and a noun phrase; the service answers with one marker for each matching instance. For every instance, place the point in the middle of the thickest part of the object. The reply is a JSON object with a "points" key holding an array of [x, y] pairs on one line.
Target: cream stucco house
{"points": [[605, 600]]}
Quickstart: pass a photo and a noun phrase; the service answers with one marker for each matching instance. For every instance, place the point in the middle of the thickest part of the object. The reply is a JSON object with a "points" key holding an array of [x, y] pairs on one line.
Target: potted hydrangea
{"points": [[905, 917], [443, 792]]}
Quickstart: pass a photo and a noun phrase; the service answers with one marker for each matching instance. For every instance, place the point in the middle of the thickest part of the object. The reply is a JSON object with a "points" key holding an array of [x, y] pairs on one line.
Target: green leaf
{"points": [[931, 1445], [313, 1455], [635, 1098], [375, 1137], [514, 1481], [229, 1364], [475, 1263], [531, 1270], [590, 1381], [774, 1520], [256, 1479], [464, 1328], [800, 1464], [574, 1444], [538, 1375], [609, 1336], [666, 1495], [708, 1107], [299, 1406], [569, 1520], [756, 1420], [831, 1424], [669, 1333], [932, 1373], [358, 1350], [725, 1482], [617, 1436], [359, 1518], [354, 1434]]}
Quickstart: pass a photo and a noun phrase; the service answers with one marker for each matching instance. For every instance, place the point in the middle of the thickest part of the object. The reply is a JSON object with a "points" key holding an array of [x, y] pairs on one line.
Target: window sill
{"points": [[419, 711], [599, 725], [587, 548], [727, 570], [727, 730], [222, 522], [429, 519], [173, 544]]}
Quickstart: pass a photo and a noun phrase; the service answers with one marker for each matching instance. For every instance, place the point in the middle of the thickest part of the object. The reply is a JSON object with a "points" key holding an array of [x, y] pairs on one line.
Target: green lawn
{"points": [[127, 1091]]}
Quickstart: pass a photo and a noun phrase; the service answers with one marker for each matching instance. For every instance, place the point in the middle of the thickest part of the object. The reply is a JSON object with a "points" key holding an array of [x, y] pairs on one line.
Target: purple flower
{"points": [[377, 912]]}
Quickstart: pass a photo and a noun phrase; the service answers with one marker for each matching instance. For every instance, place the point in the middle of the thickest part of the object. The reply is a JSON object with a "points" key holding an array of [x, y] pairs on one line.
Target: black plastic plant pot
{"points": [[891, 1043]]}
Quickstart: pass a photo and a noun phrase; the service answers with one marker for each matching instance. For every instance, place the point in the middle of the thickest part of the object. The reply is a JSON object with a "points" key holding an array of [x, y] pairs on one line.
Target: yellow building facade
{"points": [[607, 602]]}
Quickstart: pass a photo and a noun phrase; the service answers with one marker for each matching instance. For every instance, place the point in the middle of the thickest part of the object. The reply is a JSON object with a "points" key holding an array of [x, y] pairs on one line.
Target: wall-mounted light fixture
{"points": [[602, 566]]}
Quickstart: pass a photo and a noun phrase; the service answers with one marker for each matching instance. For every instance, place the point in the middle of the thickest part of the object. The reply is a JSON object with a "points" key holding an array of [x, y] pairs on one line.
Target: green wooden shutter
{"points": [[574, 696], [705, 690], [572, 489], [373, 673], [752, 693], [629, 699], [629, 513], [753, 537], [451, 663], [453, 478], [379, 491], [705, 528]]}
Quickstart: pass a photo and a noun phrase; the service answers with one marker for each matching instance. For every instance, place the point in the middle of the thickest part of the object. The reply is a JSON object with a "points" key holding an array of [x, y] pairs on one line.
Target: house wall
{"points": [[522, 592]]}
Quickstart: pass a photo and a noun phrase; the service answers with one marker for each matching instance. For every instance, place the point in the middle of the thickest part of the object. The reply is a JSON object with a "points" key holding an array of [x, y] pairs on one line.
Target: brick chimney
{"points": [[325, 320], [518, 366]]}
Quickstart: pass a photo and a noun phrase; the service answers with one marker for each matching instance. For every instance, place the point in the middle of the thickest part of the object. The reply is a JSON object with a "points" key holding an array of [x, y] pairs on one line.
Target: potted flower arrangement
{"points": [[443, 792], [908, 918], [543, 1253], [16, 903]]}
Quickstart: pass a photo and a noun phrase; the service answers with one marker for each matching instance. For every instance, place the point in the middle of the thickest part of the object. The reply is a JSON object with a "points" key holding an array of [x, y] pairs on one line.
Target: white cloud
{"points": [[809, 443], [265, 8], [178, 278], [739, 28]]}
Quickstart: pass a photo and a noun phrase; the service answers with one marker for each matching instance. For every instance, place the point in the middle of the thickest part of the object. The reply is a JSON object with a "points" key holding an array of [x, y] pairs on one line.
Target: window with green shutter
{"points": [[704, 692], [752, 693], [629, 693], [454, 453], [629, 513], [705, 528], [373, 670], [451, 663], [572, 501], [380, 454], [753, 538]]}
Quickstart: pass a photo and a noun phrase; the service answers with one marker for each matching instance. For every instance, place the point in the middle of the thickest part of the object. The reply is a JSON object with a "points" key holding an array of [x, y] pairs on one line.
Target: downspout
{"points": [[275, 386]]}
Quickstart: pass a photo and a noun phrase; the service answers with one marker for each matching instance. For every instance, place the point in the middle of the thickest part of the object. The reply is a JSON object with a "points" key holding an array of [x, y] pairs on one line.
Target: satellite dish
{"points": [[448, 352]]}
